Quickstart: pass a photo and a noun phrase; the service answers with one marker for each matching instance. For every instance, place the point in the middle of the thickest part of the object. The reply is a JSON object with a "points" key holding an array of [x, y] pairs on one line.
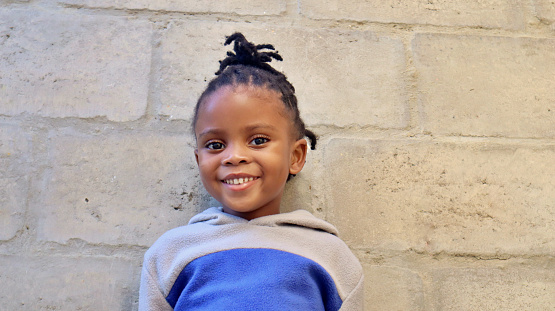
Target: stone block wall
{"points": [[436, 158]]}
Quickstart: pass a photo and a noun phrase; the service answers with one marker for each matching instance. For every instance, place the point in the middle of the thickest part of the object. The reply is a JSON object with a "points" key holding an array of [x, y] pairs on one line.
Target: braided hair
{"points": [[249, 66]]}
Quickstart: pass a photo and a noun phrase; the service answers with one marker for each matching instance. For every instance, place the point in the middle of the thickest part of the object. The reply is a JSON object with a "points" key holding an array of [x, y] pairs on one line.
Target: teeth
{"points": [[238, 181]]}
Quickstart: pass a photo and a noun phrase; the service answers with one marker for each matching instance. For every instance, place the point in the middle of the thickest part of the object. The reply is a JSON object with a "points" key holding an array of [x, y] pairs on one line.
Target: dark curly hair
{"points": [[248, 65]]}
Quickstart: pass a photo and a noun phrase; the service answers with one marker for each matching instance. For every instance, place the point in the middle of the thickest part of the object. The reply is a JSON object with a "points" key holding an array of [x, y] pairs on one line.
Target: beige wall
{"points": [[436, 158]]}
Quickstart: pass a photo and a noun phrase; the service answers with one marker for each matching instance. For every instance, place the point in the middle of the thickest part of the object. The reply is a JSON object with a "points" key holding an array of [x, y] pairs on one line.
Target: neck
{"points": [[253, 214]]}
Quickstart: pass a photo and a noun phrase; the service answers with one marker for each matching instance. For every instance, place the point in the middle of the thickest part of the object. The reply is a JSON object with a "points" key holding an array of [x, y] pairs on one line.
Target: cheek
{"points": [[206, 165], [279, 161]]}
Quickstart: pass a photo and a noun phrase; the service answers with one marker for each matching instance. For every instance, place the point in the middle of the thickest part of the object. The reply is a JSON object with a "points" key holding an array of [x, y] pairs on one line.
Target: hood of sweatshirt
{"points": [[217, 217]]}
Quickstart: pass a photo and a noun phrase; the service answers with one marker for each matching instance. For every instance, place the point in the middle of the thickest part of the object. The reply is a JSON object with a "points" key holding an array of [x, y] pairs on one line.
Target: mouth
{"points": [[238, 181]]}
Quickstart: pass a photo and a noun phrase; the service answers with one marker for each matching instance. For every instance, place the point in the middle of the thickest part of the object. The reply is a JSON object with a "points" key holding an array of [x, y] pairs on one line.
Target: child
{"points": [[245, 255]]}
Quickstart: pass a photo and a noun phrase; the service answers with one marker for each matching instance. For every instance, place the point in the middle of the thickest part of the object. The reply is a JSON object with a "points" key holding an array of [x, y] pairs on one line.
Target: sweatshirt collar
{"points": [[301, 218]]}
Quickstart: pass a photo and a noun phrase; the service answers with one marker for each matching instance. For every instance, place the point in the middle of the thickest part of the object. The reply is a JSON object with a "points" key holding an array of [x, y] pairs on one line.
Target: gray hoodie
{"points": [[289, 261]]}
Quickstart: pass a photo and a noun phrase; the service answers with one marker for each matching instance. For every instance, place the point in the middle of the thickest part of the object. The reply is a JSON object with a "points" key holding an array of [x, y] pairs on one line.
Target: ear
{"points": [[298, 156], [196, 155]]}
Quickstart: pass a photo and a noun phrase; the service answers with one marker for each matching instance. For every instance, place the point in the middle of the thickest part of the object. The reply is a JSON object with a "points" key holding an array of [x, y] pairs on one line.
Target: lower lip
{"points": [[240, 187]]}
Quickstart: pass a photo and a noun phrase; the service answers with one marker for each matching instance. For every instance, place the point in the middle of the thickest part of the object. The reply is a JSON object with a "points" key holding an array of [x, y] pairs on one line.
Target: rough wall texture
{"points": [[436, 161]]}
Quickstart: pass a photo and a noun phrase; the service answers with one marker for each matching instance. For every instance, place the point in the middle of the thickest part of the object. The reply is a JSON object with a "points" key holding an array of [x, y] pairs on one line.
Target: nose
{"points": [[235, 155]]}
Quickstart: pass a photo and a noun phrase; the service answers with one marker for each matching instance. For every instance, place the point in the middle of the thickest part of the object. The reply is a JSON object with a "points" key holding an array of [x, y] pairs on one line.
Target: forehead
{"points": [[229, 106]]}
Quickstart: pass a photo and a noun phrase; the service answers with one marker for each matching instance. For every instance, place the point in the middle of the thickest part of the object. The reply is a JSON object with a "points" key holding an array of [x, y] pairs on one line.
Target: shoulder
{"points": [[201, 228], [168, 243], [180, 239], [176, 248], [309, 236]]}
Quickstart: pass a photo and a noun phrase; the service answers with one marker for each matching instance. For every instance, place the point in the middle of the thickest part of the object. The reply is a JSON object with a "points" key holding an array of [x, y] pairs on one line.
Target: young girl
{"points": [[245, 255]]}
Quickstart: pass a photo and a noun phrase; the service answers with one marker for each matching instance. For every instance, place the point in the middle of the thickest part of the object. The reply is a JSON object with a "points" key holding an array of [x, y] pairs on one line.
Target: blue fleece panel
{"points": [[254, 279]]}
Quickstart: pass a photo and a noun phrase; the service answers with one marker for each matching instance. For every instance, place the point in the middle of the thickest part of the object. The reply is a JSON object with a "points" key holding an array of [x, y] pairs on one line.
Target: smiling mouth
{"points": [[238, 181]]}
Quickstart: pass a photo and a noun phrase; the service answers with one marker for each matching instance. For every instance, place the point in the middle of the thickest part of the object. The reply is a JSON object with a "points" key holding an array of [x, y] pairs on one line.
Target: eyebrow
{"points": [[216, 131], [209, 131], [260, 126]]}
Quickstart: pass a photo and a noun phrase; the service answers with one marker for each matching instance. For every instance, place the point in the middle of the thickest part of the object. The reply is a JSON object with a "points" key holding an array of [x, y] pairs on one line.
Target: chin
{"points": [[240, 210]]}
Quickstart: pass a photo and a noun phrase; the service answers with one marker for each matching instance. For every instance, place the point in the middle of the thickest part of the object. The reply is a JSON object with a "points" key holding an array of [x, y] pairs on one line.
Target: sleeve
{"points": [[151, 297], [355, 300]]}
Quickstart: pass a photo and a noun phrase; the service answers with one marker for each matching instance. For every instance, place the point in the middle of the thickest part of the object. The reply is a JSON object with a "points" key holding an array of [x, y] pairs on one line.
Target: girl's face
{"points": [[246, 149]]}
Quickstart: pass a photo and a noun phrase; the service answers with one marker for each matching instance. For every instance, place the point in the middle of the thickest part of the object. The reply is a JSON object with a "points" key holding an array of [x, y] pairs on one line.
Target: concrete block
{"points": [[344, 78], [392, 288], [462, 198], [118, 189], [341, 78], [545, 10], [71, 65], [482, 13], [66, 283], [264, 7], [495, 289], [14, 183], [486, 86]]}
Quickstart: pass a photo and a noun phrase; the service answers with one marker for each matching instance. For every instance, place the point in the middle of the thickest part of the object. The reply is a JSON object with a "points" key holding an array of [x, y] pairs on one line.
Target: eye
{"points": [[214, 145], [257, 141]]}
